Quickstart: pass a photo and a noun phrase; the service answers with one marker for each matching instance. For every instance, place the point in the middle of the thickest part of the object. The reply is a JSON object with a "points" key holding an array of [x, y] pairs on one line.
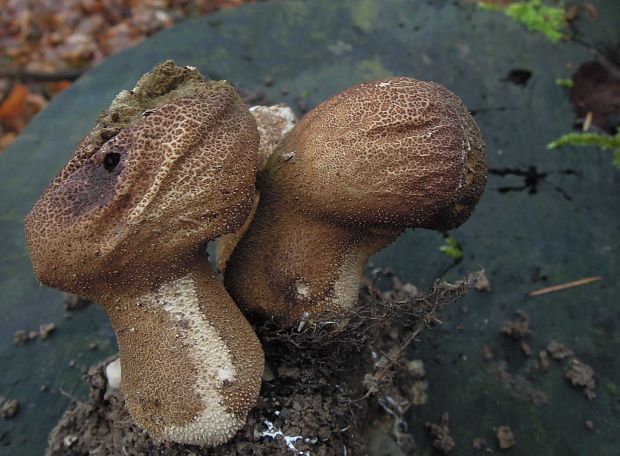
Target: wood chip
{"points": [[565, 286]]}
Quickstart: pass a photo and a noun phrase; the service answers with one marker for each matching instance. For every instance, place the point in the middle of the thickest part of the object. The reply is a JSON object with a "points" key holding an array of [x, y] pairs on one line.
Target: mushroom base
{"points": [[316, 398], [190, 363]]}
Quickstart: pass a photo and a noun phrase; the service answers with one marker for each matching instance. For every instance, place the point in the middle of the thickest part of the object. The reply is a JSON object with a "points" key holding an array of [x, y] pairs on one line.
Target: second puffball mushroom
{"points": [[168, 167], [355, 172]]}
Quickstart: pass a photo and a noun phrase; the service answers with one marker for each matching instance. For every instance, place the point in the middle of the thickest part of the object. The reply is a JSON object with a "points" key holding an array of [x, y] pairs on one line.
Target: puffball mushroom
{"points": [[168, 167], [273, 123], [355, 172]]}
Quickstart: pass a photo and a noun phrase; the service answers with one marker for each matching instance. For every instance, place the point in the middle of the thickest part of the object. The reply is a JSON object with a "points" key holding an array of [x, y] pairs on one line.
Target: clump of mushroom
{"points": [[168, 167], [354, 173]]}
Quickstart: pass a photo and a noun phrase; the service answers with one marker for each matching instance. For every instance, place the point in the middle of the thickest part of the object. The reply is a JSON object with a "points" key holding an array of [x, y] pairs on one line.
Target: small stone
{"points": [[443, 440], [519, 328], [46, 329], [20, 337], [482, 282], [526, 348], [71, 363], [416, 368], [44, 387], [417, 392], [558, 350], [589, 425], [8, 408], [581, 374], [93, 346], [479, 443], [69, 440], [505, 437]]}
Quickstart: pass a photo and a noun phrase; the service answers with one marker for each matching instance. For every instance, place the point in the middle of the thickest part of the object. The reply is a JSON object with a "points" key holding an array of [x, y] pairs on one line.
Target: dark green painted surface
{"points": [[315, 49]]}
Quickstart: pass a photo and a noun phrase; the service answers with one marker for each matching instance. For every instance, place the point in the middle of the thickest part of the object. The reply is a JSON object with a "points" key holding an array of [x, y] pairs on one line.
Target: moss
{"points": [[535, 15], [566, 83], [373, 69], [364, 14], [602, 141], [452, 248], [612, 389]]}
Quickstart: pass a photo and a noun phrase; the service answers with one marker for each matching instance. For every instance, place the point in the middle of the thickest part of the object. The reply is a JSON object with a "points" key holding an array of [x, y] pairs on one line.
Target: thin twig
{"points": [[564, 286]]}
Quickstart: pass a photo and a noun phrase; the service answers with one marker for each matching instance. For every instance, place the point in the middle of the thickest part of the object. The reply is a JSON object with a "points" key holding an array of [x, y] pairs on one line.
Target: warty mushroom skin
{"points": [[168, 167], [356, 171], [273, 123]]}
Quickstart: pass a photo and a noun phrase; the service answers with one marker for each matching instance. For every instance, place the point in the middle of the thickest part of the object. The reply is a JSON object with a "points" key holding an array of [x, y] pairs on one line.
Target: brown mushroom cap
{"points": [[393, 152], [355, 172], [168, 167], [180, 172]]}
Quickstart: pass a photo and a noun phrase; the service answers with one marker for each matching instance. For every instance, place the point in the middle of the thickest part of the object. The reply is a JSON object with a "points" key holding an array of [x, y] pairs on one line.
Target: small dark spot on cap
{"points": [[110, 160]]}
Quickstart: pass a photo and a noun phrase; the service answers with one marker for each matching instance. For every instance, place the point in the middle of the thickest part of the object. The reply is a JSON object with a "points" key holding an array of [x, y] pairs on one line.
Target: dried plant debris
{"points": [[443, 441], [482, 282], [399, 290], [582, 375], [373, 314], [8, 407], [416, 368], [505, 437], [46, 329], [21, 336], [418, 392], [314, 399], [518, 328], [558, 350]]}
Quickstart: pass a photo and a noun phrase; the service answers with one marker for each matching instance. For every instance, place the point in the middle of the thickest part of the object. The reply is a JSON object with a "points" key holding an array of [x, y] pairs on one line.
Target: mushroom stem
{"points": [[310, 267], [183, 343]]}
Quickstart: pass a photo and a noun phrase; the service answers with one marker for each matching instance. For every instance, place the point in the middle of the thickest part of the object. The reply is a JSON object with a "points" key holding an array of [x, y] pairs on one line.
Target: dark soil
{"points": [[323, 389], [596, 90]]}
